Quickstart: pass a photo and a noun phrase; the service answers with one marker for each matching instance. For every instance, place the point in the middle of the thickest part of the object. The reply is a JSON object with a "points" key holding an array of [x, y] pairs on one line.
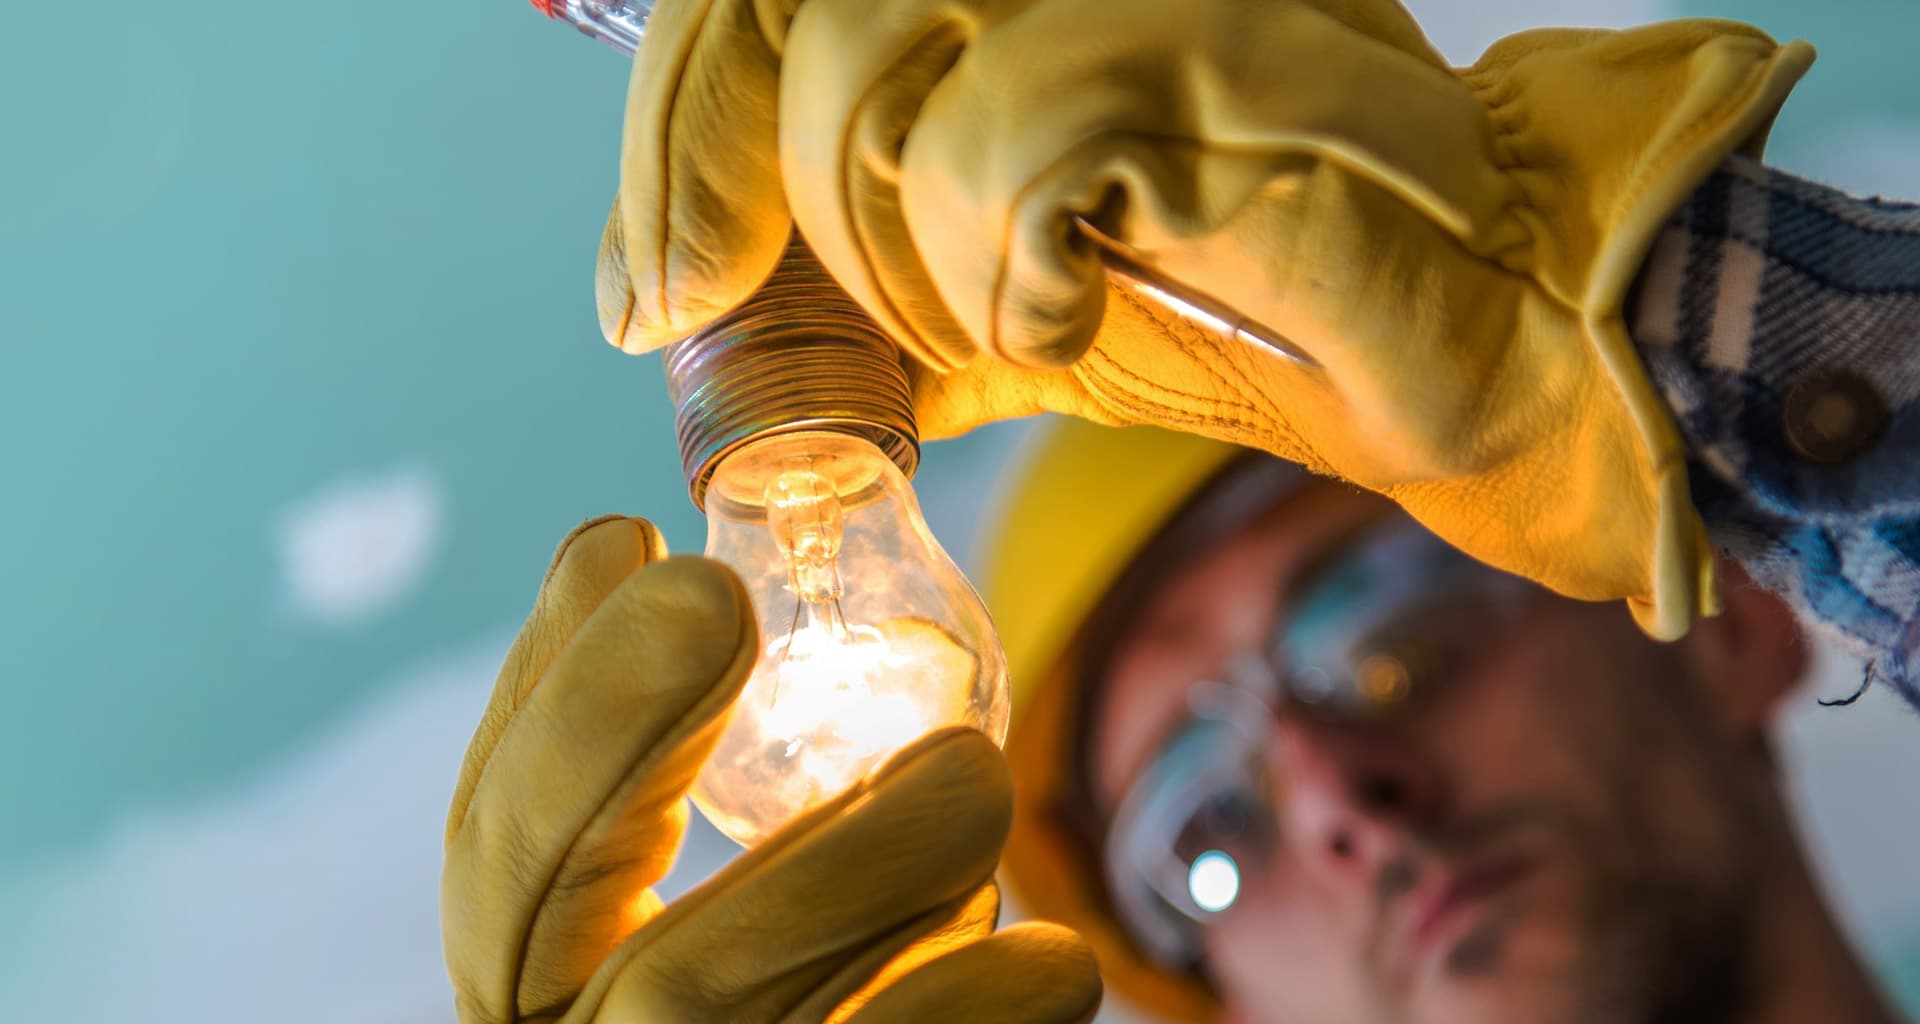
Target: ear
{"points": [[1750, 656]]}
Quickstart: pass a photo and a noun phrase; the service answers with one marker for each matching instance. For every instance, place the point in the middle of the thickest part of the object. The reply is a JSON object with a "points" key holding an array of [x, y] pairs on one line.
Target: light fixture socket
{"points": [[799, 354]]}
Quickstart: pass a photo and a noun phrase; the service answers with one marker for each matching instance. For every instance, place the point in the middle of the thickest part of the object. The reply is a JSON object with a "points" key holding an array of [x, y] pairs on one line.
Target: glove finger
{"points": [[1023, 136], [1034, 973], [483, 937], [590, 562], [858, 73], [872, 972], [701, 217], [580, 807], [797, 924], [613, 283]]}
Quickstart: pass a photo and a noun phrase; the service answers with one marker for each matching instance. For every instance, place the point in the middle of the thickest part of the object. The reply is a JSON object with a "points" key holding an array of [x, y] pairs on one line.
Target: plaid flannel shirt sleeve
{"points": [[1780, 320]]}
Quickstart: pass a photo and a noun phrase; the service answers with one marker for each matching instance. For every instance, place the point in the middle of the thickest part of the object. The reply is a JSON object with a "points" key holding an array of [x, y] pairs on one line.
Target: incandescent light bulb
{"points": [[795, 422], [870, 637]]}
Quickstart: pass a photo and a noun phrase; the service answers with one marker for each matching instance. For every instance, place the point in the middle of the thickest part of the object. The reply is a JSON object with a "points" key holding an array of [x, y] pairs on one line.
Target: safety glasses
{"points": [[1382, 623]]}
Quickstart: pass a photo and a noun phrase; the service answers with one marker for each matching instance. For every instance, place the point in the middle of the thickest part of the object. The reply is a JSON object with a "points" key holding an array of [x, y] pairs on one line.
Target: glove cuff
{"points": [[1605, 134]]}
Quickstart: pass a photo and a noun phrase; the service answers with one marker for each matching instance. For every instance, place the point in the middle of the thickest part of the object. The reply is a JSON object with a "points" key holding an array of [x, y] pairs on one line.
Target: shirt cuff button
{"points": [[1832, 417]]}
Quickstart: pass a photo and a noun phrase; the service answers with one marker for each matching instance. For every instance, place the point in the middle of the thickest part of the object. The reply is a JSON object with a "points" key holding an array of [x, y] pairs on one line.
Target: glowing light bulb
{"points": [[870, 635]]}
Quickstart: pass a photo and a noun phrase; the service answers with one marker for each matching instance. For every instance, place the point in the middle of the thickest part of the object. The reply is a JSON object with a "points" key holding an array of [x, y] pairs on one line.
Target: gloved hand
{"points": [[1452, 248], [877, 906]]}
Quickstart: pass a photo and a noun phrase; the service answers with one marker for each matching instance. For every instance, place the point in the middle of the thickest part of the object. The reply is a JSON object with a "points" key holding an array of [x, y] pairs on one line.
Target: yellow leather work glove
{"points": [[1452, 248], [877, 906]]}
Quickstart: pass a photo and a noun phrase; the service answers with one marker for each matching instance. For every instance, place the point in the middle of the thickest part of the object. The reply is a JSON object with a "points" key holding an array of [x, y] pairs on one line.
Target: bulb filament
{"points": [[841, 692], [805, 517]]}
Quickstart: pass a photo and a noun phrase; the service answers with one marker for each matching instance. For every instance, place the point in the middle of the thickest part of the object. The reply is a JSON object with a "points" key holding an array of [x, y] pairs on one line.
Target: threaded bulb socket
{"points": [[799, 354]]}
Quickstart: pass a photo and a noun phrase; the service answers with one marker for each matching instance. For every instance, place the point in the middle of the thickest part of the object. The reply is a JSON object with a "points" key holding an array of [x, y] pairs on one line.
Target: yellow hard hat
{"points": [[1074, 516]]}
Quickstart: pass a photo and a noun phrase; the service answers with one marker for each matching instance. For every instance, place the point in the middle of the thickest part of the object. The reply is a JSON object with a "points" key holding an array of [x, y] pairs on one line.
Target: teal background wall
{"points": [[300, 384], [249, 259]]}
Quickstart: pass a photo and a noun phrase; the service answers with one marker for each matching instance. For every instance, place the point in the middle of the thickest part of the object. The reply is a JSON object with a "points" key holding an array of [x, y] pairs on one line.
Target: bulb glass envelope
{"points": [[870, 636]]}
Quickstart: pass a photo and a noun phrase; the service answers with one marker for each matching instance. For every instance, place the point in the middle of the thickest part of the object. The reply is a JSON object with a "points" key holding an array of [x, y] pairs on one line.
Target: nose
{"points": [[1354, 797]]}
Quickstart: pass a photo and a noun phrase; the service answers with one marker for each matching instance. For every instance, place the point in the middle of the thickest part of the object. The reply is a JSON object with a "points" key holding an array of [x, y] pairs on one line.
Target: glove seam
{"points": [[1142, 404], [1741, 114], [927, 350]]}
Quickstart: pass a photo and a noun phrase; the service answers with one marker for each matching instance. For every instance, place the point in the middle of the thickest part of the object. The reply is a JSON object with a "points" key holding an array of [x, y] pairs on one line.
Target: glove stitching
{"points": [[1505, 123], [1100, 382], [1107, 379], [1254, 402], [1192, 340], [1185, 342]]}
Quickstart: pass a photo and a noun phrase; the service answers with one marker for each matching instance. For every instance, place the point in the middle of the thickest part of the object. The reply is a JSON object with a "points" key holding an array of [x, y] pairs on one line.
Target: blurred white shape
{"points": [[1870, 154], [1213, 881], [357, 546], [1461, 29], [308, 896]]}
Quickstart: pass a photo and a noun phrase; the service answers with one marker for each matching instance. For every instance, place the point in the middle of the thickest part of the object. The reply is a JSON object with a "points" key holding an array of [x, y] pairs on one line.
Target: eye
{"points": [[1231, 814]]}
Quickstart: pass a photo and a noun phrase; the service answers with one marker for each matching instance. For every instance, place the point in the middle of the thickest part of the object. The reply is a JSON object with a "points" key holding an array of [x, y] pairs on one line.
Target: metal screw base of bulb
{"points": [[799, 354]]}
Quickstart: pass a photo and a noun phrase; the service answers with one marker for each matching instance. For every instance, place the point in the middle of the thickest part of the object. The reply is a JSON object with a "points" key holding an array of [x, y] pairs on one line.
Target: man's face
{"points": [[1554, 835]]}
